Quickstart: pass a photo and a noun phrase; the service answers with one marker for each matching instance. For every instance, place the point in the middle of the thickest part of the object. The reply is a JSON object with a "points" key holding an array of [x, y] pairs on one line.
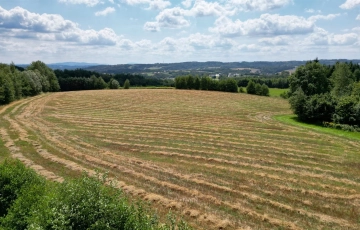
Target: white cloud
{"points": [[169, 18], [112, 1], [203, 8], [324, 38], [105, 37], [323, 17], [86, 2], [358, 17], [105, 12], [19, 18], [349, 4], [153, 4], [276, 41], [310, 11], [267, 24], [175, 17], [344, 39], [187, 3], [21, 23], [259, 5]]}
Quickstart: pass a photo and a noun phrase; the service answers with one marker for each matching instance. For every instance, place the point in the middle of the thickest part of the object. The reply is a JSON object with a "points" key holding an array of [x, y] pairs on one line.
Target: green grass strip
{"points": [[292, 120]]}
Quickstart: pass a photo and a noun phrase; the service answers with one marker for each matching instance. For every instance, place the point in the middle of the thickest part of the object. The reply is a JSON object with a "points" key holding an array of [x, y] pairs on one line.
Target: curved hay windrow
{"points": [[218, 159]]}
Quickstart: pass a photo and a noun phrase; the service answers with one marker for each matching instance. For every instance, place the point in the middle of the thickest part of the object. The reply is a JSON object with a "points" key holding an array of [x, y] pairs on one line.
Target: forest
{"points": [[327, 94], [16, 83]]}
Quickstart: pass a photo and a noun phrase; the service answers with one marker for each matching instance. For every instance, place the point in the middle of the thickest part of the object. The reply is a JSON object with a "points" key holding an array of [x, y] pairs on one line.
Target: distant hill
{"points": [[206, 68], [67, 65]]}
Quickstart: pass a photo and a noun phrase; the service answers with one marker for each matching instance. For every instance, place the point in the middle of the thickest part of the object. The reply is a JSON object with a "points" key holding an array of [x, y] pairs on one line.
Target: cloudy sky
{"points": [[151, 31]]}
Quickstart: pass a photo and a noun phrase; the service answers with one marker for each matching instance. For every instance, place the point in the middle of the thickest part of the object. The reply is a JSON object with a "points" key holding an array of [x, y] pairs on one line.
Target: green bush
{"points": [[27, 201], [114, 84], [15, 178], [250, 88], [127, 84]]}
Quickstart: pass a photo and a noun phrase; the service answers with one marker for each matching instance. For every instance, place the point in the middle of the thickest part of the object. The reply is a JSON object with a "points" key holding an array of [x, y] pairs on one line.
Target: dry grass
{"points": [[218, 159]]}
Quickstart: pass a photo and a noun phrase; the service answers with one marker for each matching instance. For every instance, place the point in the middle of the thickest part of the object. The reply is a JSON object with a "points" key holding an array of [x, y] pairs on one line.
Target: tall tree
{"points": [[312, 78], [342, 79]]}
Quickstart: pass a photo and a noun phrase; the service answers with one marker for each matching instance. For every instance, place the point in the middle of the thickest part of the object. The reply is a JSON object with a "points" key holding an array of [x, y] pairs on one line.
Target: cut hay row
{"points": [[219, 159]]}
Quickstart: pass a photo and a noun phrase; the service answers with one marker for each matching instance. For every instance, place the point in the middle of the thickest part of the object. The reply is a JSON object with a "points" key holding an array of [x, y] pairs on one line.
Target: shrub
{"points": [[114, 84], [127, 84], [250, 88], [264, 90], [28, 201], [15, 179]]}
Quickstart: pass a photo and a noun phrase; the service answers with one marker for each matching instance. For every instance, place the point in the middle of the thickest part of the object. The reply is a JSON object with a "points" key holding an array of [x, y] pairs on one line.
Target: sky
{"points": [[167, 31]]}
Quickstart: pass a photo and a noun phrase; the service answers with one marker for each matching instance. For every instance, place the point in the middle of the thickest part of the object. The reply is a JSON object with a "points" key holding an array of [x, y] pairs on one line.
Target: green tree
{"points": [[100, 83], [49, 74], [347, 111], [180, 83], [197, 83], [190, 82], [258, 89], [114, 84], [127, 84], [250, 88], [342, 79], [313, 78], [204, 83], [264, 90], [298, 104], [357, 74]]}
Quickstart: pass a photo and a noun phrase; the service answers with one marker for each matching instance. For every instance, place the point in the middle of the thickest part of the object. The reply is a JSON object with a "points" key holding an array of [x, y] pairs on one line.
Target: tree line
{"points": [[16, 82], [271, 82], [206, 83], [28, 201], [80, 79], [327, 94]]}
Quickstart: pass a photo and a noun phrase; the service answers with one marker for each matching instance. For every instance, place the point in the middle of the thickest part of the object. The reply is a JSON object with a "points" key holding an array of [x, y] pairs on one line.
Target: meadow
{"points": [[220, 160]]}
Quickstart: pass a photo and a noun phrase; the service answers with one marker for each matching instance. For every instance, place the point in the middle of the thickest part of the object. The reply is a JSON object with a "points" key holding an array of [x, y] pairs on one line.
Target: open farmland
{"points": [[218, 159]]}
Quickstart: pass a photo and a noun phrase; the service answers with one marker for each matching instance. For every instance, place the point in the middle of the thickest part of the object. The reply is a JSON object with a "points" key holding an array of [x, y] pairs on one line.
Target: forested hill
{"points": [[208, 67]]}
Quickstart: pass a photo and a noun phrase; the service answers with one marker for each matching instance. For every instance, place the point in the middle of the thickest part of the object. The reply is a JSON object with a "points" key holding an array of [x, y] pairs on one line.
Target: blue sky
{"points": [[151, 31]]}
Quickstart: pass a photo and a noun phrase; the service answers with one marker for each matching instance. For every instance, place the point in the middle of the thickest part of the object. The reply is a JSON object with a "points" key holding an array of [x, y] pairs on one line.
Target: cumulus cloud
{"points": [[349, 4], [276, 41], [105, 12], [105, 37], [203, 8], [267, 24], [175, 17], [344, 39], [153, 4], [323, 17], [324, 38], [86, 2], [17, 22], [358, 17], [169, 18], [19, 18], [187, 3], [259, 5]]}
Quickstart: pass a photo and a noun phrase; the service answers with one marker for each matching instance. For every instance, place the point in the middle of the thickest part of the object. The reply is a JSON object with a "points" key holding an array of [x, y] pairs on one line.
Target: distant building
{"points": [[215, 76]]}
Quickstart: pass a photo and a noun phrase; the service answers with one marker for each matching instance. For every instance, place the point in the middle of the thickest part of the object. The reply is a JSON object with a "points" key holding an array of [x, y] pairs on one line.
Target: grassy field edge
{"points": [[292, 120]]}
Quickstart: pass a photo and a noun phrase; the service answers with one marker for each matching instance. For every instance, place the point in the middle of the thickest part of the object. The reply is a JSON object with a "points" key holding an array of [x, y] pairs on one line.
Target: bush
{"points": [[15, 180], [250, 88], [127, 84], [27, 201], [114, 84], [264, 90], [347, 111]]}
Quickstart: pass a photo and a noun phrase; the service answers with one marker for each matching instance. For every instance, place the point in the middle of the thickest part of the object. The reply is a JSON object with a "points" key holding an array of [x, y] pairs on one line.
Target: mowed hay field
{"points": [[218, 159]]}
